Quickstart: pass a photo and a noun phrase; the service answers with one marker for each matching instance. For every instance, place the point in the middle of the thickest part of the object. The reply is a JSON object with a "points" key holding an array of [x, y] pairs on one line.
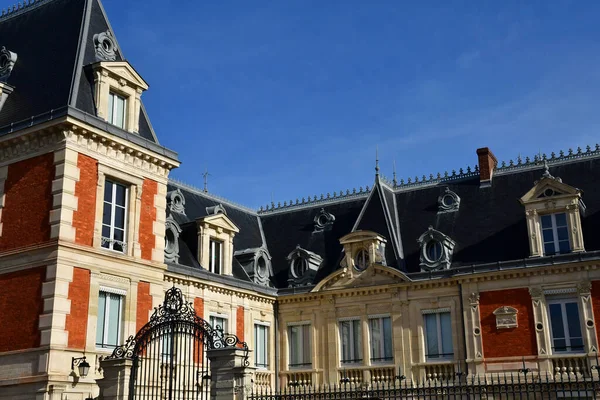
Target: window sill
{"points": [[437, 361]]}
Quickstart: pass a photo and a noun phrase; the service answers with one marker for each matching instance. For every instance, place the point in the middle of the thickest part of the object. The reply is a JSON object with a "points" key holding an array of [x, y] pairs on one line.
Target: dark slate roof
{"points": [[53, 40], [285, 230]]}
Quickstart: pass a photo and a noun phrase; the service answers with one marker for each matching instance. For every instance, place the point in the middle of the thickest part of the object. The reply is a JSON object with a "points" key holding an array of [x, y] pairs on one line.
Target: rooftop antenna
{"points": [[376, 160], [394, 181], [206, 175]]}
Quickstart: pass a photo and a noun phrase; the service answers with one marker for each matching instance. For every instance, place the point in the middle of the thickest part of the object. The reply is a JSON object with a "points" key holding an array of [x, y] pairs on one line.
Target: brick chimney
{"points": [[487, 164]]}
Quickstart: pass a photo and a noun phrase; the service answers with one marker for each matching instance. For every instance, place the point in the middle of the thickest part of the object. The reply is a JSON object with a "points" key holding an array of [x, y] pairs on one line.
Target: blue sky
{"points": [[290, 98]]}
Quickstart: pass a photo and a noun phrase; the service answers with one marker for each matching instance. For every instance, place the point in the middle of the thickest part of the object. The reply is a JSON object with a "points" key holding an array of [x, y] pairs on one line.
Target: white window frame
{"points": [[107, 311], [304, 364], [438, 313], [356, 343], [224, 317], [112, 95], [381, 356], [562, 301], [267, 327], [212, 260], [110, 240], [555, 232]]}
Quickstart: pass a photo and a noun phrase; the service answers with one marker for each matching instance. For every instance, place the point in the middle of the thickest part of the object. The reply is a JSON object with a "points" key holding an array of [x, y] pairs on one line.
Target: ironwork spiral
{"points": [[176, 309]]}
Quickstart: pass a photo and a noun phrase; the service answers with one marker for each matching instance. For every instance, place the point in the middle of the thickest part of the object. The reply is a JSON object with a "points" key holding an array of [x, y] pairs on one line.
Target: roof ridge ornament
{"points": [[547, 174], [7, 63], [105, 46]]}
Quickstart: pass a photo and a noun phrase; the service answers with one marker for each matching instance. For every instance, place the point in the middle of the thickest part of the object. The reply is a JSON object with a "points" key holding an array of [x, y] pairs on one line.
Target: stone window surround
{"points": [[212, 228], [418, 325], [286, 343], [269, 340], [217, 314], [362, 342], [134, 206], [581, 292], [108, 79], [368, 338]]}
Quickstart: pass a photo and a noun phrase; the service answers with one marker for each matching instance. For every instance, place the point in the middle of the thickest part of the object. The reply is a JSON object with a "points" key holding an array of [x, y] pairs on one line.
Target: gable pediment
{"points": [[374, 275], [219, 221], [123, 70], [549, 188]]}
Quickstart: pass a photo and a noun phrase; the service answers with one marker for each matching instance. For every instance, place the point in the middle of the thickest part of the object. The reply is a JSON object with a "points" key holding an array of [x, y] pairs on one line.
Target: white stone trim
{"points": [[435, 310], [263, 323], [560, 291], [374, 316], [298, 323], [344, 319], [3, 176], [64, 202], [108, 289]]}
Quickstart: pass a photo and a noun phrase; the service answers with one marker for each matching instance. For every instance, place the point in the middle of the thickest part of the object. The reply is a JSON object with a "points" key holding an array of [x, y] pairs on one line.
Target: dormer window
{"points": [[303, 268], [555, 233], [362, 249], [116, 109], [299, 267], [436, 250], [433, 251], [216, 256], [553, 212]]}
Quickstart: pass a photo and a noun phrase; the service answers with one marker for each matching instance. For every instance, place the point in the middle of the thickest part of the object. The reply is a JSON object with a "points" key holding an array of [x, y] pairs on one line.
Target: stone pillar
{"points": [[115, 384], [230, 377]]}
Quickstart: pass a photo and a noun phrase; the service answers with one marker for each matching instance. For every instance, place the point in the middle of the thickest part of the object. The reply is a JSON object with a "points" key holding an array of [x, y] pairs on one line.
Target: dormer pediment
{"points": [[547, 188], [374, 276], [122, 70], [361, 236], [219, 221]]}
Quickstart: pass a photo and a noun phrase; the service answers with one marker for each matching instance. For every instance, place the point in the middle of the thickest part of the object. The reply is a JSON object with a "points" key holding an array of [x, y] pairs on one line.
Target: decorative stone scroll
{"points": [[506, 317]]}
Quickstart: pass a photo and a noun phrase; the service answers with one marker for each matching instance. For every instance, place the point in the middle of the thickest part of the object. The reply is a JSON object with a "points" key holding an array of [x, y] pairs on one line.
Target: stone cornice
{"points": [[201, 284], [441, 282]]}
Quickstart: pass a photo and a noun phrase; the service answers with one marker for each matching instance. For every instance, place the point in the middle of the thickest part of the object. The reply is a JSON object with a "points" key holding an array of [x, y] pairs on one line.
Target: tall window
{"points": [[380, 330], [116, 109], [555, 233], [351, 340], [218, 322], [438, 336], [114, 216], [108, 330], [299, 340], [261, 345], [215, 254], [566, 325]]}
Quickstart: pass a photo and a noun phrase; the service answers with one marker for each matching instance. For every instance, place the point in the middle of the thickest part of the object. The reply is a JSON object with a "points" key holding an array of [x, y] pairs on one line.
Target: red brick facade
{"points": [[199, 309], [28, 201], [85, 191], [144, 305], [596, 305], [239, 323], [147, 218], [518, 341], [21, 304], [79, 294]]}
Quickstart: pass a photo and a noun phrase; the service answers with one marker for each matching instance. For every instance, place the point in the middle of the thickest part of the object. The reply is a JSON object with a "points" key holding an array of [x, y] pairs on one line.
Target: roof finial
{"points": [[206, 175], [377, 160], [546, 173], [394, 181]]}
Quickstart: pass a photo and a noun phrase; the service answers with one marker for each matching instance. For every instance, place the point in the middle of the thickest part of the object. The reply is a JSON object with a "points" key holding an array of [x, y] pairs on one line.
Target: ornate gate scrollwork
{"points": [[169, 352]]}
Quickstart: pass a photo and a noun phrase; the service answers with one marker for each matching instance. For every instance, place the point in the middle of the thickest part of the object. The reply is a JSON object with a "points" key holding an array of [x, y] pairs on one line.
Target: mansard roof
{"points": [[488, 227], [54, 42]]}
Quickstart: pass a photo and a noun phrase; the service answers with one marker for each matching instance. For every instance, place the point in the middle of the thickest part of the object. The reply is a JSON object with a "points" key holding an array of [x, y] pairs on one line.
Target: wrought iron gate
{"points": [[169, 352]]}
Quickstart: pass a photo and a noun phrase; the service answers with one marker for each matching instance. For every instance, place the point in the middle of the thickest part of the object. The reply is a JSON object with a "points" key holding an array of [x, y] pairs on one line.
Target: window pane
{"points": [[120, 196], [108, 185], [563, 233], [106, 231], [119, 217], [560, 345], [100, 322], [549, 249], [357, 340], [446, 323], [306, 336], [387, 336], [561, 219], [345, 340], [548, 235], [431, 335], [546, 221], [564, 246], [106, 214], [114, 319], [573, 321], [217, 257], [376, 338], [111, 106], [119, 118], [294, 345], [556, 323]]}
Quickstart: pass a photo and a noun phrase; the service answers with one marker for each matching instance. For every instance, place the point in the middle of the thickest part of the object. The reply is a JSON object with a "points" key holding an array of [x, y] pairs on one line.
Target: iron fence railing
{"points": [[566, 385]]}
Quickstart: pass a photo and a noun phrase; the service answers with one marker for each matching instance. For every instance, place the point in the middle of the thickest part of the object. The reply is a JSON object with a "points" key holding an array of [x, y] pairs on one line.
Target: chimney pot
{"points": [[487, 164]]}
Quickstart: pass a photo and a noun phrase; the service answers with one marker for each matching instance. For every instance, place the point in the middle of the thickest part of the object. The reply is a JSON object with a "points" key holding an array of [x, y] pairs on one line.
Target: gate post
{"points": [[230, 373], [117, 374]]}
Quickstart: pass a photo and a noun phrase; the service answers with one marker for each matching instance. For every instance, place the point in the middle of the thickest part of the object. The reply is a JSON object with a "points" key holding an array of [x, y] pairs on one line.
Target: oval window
{"points": [[361, 261], [299, 267], [448, 200], [433, 250], [169, 241], [261, 267]]}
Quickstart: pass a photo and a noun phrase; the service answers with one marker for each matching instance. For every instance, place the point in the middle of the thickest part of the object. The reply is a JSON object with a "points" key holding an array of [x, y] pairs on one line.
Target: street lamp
{"points": [[82, 365]]}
